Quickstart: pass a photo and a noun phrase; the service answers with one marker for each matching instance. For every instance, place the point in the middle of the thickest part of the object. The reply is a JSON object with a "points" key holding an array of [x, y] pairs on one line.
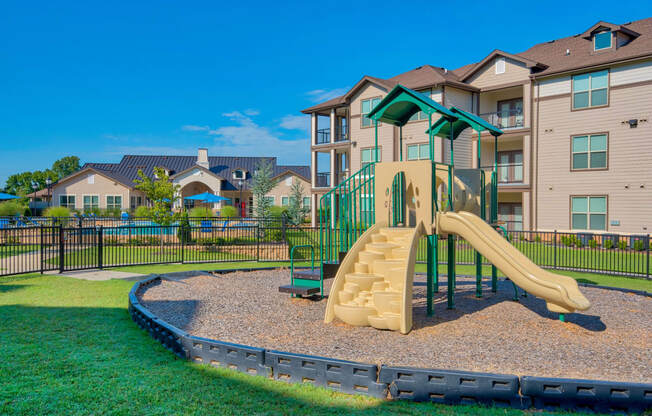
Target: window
{"points": [[367, 155], [306, 201], [421, 115], [510, 166], [500, 66], [590, 90], [288, 181], [367, 106], [91, 202], [113, 202], [589, 212], [285, 201], [418, 151], [601, 41], [512, 215], [270, 199], [589, 152], [137, 201], [238, 174], [67, 201]]}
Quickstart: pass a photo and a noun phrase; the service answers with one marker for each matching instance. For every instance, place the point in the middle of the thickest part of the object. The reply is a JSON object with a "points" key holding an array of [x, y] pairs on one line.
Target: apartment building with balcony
{"points": [[575, 151]]}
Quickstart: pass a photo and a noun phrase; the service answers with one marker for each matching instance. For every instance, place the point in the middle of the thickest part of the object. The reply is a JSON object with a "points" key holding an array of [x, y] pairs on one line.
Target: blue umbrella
{"points": [[7, 196], [207, 197]]}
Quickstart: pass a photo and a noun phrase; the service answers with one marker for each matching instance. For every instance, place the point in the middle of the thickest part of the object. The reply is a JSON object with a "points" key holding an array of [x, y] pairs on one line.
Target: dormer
{"points": [[239, 174], [606, 36]]}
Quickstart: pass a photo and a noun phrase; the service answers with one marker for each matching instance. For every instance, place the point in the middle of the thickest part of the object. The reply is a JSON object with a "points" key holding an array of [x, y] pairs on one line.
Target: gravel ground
{"points": [[610, 341]]}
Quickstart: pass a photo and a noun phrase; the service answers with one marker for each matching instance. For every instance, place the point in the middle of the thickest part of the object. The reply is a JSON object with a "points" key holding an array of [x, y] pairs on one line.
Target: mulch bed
{"points": [[610, 341]]}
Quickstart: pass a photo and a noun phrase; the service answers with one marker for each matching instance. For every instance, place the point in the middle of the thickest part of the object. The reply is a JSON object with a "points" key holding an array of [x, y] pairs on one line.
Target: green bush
{"points": [[111, 212], [229, 211], [622, 244], [95, 211], [11, 208], [608, 244], [537, 238], [593, 243], [110, 241], [566, 240], [57, 212], [277, 212], [201, 212], [183, 231], [142, 211], [639, 245], [578, 242]]}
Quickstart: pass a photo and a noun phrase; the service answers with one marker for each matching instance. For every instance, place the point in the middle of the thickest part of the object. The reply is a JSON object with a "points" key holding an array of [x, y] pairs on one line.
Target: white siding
{"points": [[555, 86], [631, 73]]}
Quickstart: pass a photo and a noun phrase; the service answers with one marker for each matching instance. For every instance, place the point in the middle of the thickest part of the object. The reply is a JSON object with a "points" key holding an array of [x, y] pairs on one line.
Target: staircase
{"points": [[372, 291]]}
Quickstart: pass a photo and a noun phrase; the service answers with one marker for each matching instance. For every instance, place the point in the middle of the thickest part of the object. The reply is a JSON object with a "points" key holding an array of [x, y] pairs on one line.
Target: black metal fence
{"points": [[66, 247]]}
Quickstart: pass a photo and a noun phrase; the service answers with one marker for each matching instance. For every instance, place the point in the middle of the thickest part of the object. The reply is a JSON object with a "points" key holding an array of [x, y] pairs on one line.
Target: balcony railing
{"points": [[505, 119], [324, 135], [323, 180], [508, 172]]}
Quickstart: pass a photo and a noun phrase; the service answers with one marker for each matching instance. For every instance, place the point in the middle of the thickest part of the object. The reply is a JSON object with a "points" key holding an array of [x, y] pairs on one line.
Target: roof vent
{"points": [[445, 71], [202, 158], [567, 52]]}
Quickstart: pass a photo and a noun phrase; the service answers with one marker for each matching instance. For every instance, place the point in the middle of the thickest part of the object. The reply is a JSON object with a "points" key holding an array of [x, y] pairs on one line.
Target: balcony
{"points": [[508, 172], [324, 135], [506, 119], [323, 180]]}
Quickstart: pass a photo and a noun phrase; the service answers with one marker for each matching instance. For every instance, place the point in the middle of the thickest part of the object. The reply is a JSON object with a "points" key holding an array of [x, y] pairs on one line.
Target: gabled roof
{"points": [[302, 171], [527, 62], [197, 167], [610, 26], [402, 103], [100, 169], [442, 127]]}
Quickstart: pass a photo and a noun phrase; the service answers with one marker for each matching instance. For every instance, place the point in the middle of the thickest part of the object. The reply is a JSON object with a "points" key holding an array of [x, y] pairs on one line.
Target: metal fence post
{"points": [[647, 257], [100, 246], [41, 247], [61, 248], [181, 235], [554, 242], [258, 242]]}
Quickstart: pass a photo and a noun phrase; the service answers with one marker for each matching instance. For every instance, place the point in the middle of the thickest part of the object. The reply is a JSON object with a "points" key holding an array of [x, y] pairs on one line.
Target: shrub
{"points": [[593, 243], [142, 211], [229, 211], [11, 208], [566, 240], [537, 239], [27, 212], [639, 245], [277, 212], [608, 243], [57, 212], [201, 212], [578, 242], [111, 212], [110, 241], [183, 231], [622, 244]]}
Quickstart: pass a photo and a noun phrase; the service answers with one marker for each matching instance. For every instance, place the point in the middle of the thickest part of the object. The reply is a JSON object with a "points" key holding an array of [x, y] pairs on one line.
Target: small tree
{"points": [[162, 193], [296, 210], [261, 185]]}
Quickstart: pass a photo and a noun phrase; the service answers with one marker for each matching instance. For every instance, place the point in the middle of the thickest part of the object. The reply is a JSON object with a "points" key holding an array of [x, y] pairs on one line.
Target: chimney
{"points": [[202, 157]]}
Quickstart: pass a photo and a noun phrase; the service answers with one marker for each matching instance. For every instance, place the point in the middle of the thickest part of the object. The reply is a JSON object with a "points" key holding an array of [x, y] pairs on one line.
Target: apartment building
{"points": [[111, 185], [575, 151]]}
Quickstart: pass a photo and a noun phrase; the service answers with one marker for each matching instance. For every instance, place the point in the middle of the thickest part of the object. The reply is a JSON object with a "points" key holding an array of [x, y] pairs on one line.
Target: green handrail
{"points": [[312, 258]]}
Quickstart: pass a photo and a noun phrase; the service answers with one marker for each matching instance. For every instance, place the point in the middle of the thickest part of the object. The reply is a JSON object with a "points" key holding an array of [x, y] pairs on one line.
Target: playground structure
{"points": [[384, 209]]}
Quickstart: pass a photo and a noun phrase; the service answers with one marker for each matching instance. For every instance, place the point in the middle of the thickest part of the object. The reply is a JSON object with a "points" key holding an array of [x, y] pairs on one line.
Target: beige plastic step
{"points": [[393, 233], [369, 257], [387, 302], [391, 321], [378, 238], [384, 266], [352, 288], [345, 296], [361, 267], [399, 253], [385, 249], [363, 280], [379, 286], [354, 315]]}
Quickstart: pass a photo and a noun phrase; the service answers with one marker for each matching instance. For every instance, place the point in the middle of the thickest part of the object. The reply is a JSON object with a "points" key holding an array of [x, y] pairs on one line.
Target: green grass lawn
{"points": [[70, 347], [8, 251]]}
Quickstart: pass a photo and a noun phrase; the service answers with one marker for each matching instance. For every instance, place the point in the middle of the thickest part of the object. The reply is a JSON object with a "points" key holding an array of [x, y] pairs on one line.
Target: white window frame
{"points": [[106, 199], [595, 38], [309, 204], [91, 195], [67, 204], [371, 152], [241, 176], [285, 199]]}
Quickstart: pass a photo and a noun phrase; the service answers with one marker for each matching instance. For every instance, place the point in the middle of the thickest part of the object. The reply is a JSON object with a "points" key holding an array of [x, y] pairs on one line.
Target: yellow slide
{"points": [[561, 293]]}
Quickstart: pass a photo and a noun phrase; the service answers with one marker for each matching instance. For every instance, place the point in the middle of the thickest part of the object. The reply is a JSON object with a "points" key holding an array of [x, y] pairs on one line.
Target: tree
{"points": [[261, 185], [162, 193], [66, 166], [296, 210]]}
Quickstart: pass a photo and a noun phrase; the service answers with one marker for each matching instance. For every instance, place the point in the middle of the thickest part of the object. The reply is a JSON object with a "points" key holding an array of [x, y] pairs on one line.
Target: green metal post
{"points": [[429, 275], [478, 256], [494, 210], [451, 271], [430, 139], [562, 317], [376, 141], [400, 143]]}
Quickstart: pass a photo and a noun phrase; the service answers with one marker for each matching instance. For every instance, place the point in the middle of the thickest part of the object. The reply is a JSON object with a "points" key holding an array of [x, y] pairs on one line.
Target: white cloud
{"points": [[295, 122], [251, 112], [192, 127], [324, 95]]}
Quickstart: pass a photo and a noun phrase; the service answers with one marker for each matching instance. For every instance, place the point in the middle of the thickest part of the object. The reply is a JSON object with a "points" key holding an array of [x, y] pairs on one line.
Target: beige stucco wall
{"points": [[102, 187], [486, 77], [283, 188], [628, 180]]}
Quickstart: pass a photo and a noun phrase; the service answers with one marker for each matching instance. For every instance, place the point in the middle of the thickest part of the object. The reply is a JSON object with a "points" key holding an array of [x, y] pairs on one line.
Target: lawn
{"points": [[14, 250], [70, 347]]}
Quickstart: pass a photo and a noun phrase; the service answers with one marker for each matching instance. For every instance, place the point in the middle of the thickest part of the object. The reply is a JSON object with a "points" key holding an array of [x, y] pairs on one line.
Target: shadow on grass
{"points": [[71, 360]]}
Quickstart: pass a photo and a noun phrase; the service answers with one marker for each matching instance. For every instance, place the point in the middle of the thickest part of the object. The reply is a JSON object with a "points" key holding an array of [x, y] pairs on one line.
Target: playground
{"points": [[493, 334]]}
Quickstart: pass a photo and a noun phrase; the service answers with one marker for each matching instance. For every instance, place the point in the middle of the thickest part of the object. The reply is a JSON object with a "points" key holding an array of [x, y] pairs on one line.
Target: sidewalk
{"points": [[101, 275]]}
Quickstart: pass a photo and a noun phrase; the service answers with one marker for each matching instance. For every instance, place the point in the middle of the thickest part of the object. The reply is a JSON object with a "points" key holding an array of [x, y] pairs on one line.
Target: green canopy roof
{"points": [[402, 103], [442, 127]]}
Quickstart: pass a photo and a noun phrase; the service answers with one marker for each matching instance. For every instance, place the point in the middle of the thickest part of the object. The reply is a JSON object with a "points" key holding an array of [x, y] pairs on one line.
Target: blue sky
{"points": [[101, 79]]}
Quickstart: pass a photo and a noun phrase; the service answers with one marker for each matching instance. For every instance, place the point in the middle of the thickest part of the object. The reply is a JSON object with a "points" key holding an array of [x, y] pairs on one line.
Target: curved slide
{"points": [[561, 293]]}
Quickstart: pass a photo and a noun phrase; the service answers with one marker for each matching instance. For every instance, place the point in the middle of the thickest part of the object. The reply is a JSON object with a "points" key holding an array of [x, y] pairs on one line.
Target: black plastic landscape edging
{"points": [[402, 383]]}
